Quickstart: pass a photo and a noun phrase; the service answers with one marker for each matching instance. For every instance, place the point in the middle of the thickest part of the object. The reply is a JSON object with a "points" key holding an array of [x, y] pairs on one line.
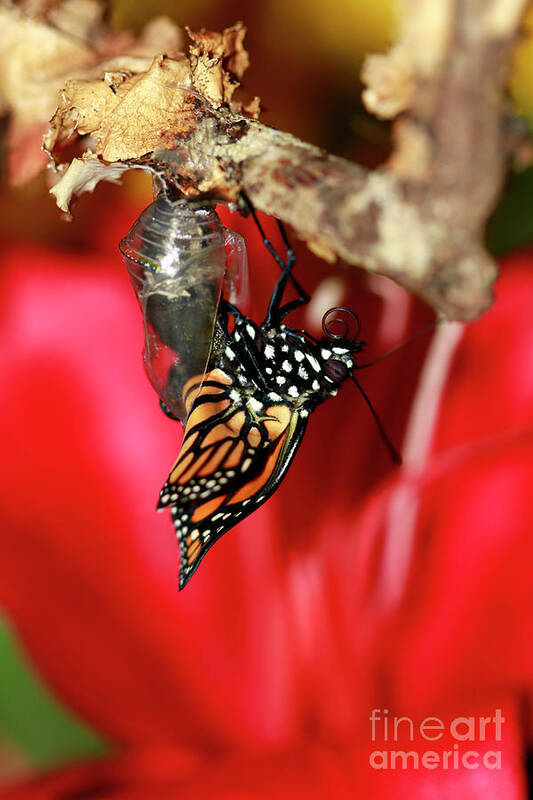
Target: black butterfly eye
{"points": [[336, 370]]}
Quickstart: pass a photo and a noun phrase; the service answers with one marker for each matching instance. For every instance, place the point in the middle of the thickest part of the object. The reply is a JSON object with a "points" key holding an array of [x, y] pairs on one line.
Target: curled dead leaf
{"points": [[82, 175], [218, 62], [140, 113], [83, 105], [33, 57], [157, 109], [48, 45], [121, 105]]}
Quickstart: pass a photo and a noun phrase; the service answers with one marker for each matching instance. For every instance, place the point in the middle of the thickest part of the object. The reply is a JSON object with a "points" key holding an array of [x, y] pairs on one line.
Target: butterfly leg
{"points": [[276, 312], [292, 306], [273, 314]]}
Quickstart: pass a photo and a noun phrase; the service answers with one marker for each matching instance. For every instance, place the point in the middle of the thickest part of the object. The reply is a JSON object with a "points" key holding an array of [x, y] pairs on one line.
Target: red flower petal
{"points": [[313, 772], [301, 619]]}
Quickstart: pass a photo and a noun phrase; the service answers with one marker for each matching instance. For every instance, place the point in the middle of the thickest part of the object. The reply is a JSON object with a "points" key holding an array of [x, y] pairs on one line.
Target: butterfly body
{"points": [[245, 423]]}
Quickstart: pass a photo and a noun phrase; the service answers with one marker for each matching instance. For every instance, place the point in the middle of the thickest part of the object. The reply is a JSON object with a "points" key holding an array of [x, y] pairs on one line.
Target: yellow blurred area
{"points": [[343, 30], [130, 14], [521, 83]]}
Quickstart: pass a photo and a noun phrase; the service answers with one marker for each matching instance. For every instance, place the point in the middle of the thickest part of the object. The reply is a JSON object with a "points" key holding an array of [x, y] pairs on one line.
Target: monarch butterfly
{"points": [[244, 391]]}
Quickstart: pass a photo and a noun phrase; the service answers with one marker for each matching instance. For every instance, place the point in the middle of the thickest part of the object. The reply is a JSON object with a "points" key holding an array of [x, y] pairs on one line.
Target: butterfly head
{"points": [[339, 344]]}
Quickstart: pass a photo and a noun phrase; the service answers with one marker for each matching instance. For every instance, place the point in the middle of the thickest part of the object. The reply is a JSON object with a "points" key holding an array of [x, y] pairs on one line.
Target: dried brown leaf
{"points": [[236, 58], [157, 109], [137, 113], [82, 175], [33, 58], [83, 106], [45, 46], [218, 62]]}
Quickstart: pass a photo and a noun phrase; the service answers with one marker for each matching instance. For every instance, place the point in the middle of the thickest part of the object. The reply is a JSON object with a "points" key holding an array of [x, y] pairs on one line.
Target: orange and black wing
{"points": [[232, 458]]}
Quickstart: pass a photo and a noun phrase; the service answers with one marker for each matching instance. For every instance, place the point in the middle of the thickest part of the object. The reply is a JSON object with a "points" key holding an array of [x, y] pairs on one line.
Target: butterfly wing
{"points": [[231, 460]]}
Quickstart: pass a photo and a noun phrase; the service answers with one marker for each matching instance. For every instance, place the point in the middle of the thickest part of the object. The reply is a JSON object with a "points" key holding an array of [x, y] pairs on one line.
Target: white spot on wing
{"points": [[255, 404]]}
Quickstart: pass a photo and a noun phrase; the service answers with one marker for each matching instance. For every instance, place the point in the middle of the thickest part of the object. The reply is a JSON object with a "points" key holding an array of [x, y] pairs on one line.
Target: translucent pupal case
{"points": [[179, 256]]}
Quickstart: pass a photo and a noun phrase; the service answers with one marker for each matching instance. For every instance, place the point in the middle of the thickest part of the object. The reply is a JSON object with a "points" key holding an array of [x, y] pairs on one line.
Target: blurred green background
{"points": [[305, 65]]}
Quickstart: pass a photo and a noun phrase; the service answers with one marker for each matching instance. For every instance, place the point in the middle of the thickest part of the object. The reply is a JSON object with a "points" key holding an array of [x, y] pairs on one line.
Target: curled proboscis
{"points": [[340, 323]]}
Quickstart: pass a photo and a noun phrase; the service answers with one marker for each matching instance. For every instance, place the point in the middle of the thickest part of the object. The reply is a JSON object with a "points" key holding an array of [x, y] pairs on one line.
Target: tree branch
{"points": [[418, 220]]}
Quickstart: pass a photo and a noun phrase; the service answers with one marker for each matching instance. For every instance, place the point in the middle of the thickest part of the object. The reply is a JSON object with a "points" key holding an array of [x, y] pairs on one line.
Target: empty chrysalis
{"points": [[180, 257]]}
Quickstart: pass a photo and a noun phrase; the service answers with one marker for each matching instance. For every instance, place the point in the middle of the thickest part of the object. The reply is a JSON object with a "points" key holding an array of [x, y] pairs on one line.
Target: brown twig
{"points": [[418, 220]]}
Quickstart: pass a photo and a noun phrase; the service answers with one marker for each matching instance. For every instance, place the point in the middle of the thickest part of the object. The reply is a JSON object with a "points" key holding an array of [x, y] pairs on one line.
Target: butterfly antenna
{"points": [[394, 454], [412, 338]]}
